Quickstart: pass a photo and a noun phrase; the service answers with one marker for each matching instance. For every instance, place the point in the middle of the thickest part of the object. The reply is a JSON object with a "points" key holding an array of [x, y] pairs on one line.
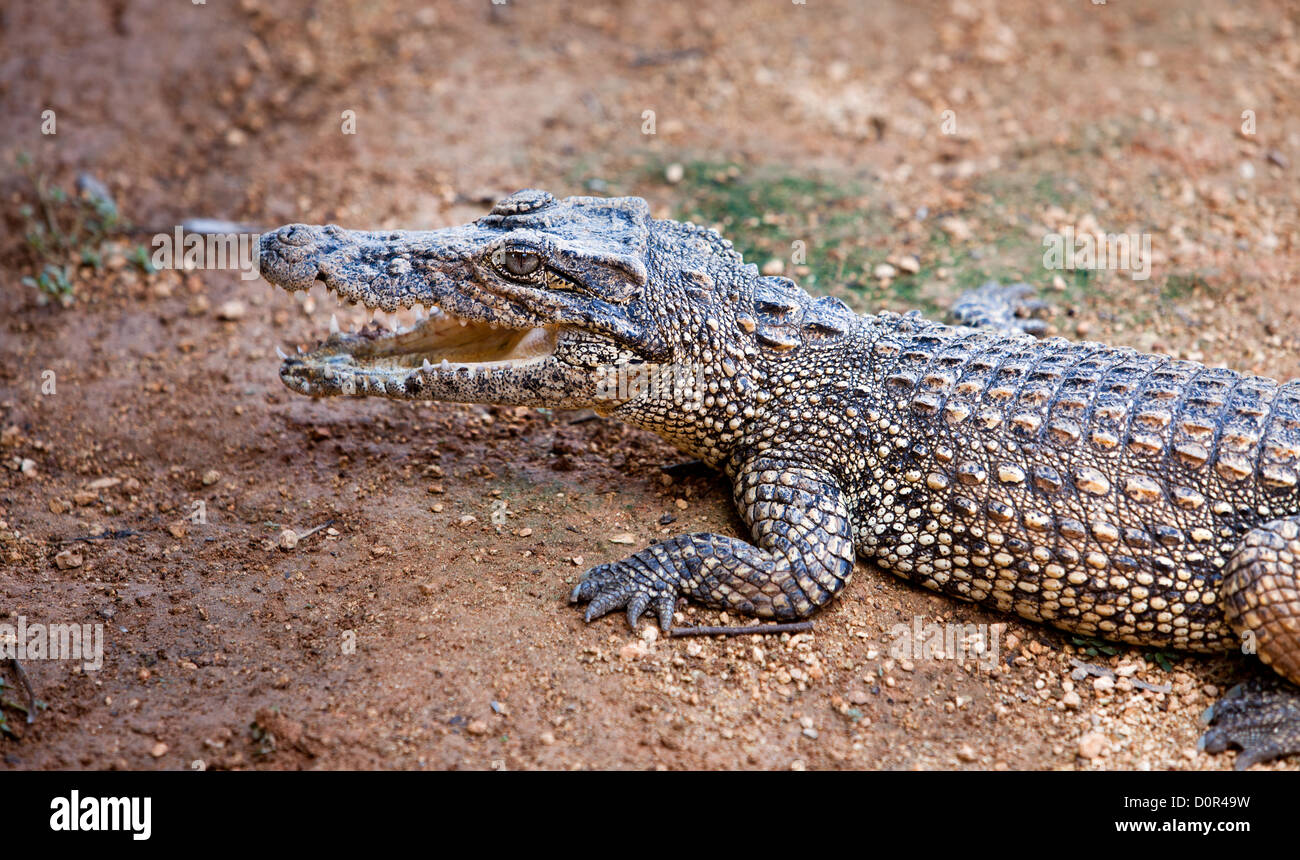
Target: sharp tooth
{"points": [[463, 323], [300, 350], [280, 353], [334, 324], [445, 366], [426, 365]]}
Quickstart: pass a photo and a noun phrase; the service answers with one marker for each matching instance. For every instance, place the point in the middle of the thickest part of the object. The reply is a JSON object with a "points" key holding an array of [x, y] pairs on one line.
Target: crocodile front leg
{"points": [[1260, 717], [803, 556]]}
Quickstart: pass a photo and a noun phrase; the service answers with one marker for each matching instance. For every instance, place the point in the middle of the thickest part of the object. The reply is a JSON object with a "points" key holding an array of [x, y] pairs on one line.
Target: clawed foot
{"points": [[619, 585], [1261, 717], [1003, 306]]}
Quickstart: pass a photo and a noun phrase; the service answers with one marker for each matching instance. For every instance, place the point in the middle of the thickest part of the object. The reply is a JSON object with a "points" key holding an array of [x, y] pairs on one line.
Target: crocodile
{"points": [[1130, 497]]}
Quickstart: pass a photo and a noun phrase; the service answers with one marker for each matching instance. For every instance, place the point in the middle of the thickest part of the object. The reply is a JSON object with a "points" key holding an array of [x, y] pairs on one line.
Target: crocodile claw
{"points": [[617, 585], [1261, 717]]}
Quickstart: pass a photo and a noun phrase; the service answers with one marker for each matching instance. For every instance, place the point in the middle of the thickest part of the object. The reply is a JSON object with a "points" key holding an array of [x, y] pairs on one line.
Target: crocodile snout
{"points": [[288, 256]]}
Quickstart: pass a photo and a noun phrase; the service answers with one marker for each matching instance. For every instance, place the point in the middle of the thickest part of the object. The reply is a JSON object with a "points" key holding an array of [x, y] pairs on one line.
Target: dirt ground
{"points": [[413, 631]]}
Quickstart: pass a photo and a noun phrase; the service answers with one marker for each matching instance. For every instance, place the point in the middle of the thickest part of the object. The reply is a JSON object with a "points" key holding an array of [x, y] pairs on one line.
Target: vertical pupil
{"points": [[521, 264]]}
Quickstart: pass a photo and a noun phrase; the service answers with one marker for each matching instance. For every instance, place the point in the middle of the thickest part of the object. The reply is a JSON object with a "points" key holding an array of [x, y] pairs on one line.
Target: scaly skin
{"points": [[1127, 496]]}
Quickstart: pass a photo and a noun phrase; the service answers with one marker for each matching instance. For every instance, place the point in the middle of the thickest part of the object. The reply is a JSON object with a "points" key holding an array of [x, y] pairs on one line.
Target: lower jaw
{"points": [[401, 383], [437, 359], [540, 382]]}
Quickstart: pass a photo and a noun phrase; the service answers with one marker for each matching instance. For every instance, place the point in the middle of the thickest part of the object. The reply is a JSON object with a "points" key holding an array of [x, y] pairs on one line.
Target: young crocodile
{"points": [[1126, 496]]}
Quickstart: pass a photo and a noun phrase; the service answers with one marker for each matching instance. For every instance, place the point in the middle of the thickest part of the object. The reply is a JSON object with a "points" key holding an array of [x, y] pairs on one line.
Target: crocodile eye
{"points": [[521, 264]]}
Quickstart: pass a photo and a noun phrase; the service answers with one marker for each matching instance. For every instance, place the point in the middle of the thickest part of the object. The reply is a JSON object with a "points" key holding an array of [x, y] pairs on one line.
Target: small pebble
{"points": [[232, 310], [1092, 745]]}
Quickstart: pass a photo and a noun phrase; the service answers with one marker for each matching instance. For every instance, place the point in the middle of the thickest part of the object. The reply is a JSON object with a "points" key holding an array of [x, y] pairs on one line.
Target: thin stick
{"points": [[791, 627], [27, 685], [113, 535], [311, 532]]}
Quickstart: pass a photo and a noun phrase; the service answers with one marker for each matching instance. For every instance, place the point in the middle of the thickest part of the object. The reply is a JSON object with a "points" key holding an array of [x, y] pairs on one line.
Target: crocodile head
{"points": [[580, 302]]}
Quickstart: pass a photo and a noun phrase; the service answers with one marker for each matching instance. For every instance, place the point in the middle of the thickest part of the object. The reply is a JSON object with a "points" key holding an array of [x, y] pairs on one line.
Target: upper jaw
{"points": [[384, 270], [435, 268]]}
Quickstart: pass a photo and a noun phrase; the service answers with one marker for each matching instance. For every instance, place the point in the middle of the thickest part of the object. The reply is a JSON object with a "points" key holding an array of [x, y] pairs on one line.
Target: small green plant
{"points": [[62, 231], [1162, 659], [1094, 647], [140, 257], [53, 281]]}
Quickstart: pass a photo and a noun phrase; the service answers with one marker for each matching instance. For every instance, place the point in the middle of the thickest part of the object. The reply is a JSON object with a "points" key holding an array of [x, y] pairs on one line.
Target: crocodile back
{"points": [[1093, 487]]}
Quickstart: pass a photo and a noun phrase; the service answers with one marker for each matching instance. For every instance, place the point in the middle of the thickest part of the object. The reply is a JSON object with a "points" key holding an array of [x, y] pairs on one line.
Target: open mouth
{"points": [[413, 352]]}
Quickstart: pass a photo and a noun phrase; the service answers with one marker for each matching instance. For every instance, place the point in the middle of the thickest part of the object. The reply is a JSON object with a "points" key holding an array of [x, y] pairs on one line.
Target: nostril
{"points": [[295, 234]]}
